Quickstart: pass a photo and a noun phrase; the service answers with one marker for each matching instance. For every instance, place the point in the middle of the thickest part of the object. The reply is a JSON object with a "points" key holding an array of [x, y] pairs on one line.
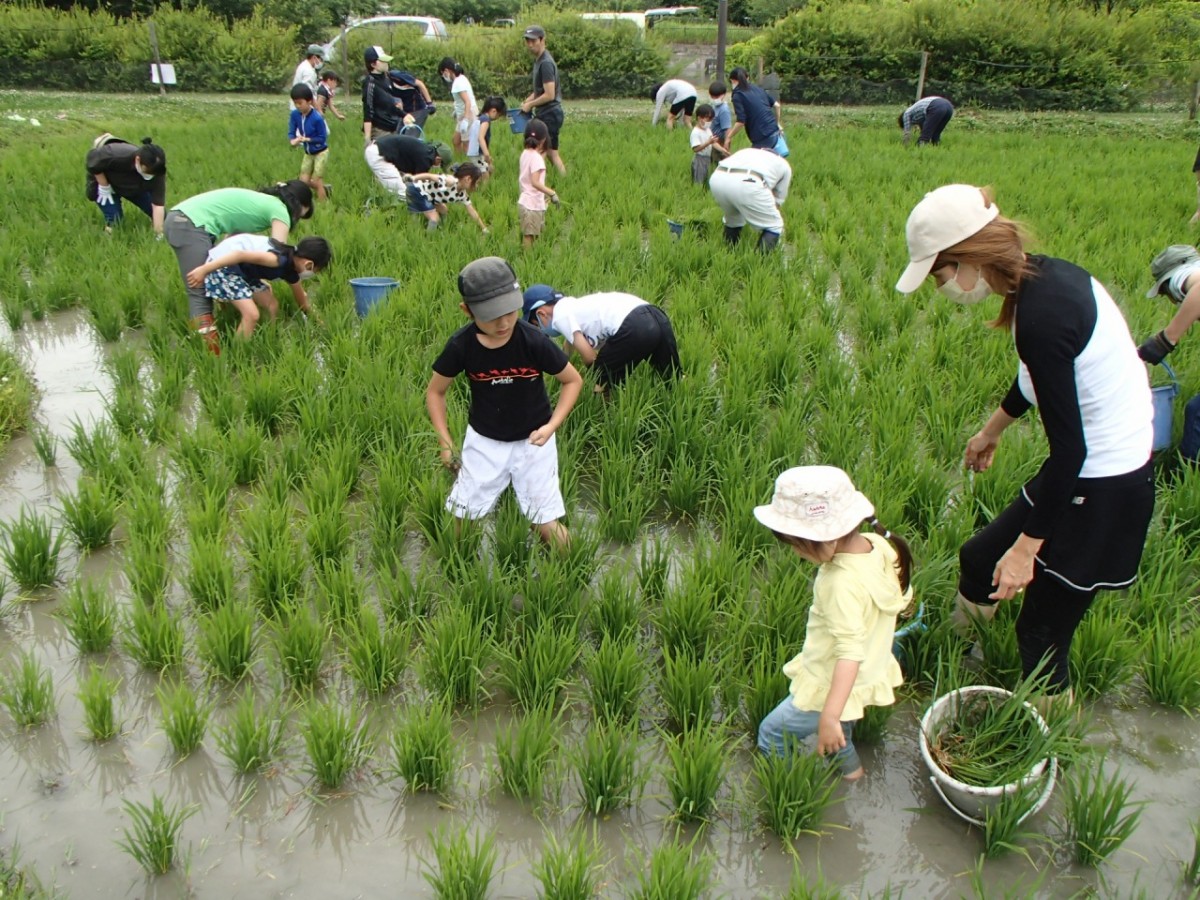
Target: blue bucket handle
{"points": [[1170, 373]]}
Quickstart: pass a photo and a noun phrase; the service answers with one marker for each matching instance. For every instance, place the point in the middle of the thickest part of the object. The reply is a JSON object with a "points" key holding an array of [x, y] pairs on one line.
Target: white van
{"points": [[398, 27], [643, 20]]}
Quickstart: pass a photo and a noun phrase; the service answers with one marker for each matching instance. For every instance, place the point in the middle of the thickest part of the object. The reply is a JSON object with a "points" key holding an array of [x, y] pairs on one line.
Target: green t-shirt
{"points": [[234, 211]]}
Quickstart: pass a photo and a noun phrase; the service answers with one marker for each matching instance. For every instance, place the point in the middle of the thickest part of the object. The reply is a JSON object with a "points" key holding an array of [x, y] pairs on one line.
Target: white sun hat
{"points": [[819, 503], [943, 218]]}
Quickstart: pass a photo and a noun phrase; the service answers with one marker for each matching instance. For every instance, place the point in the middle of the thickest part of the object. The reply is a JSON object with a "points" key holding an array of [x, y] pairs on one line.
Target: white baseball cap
{"points": [[943, 218], [818, 503]]}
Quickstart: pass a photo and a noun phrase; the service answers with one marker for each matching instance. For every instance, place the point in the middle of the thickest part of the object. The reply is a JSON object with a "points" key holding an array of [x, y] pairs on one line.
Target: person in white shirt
{"points": [[678, 96], [610, 331], [750, 186], [466, 110], [306, 72]]}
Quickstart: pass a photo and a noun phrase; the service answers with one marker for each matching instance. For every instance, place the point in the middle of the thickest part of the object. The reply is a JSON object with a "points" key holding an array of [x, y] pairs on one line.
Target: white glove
{"points": [[104, 195]]}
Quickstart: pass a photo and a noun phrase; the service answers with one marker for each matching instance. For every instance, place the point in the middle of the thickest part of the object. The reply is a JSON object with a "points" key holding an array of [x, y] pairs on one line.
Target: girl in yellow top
{"points": [[846, 663]]}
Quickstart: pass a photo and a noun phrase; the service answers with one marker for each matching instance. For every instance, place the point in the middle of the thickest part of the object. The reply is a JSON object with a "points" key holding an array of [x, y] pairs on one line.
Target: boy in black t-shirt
{"points": [[510, 431]]}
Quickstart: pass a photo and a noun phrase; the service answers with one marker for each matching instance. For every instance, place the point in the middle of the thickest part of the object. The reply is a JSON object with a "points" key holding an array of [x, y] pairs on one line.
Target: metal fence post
{"points": [[921, 76]]}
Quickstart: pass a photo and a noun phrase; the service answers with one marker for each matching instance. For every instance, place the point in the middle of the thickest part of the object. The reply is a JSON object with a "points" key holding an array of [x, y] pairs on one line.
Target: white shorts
{"points": [[745, 199], [463, 127], [385, 173], [489, 466]]}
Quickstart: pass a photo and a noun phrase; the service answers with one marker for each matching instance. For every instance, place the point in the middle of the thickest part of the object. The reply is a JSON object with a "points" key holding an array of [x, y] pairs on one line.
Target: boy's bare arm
{"points": [[435, 404], [572, 384], [585, 350]]}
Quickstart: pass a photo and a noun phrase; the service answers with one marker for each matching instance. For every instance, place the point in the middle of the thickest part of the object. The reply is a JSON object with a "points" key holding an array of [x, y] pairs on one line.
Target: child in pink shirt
{"points": [[531, 204]]}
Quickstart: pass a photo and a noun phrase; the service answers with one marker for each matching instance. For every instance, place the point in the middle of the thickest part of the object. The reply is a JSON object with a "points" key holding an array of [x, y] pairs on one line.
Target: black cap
{"points": [[534, 32]]}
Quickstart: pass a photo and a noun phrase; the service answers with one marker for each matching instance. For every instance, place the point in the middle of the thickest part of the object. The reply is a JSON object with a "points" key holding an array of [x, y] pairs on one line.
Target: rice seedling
{"points": [[28, 692], [147, 568], [997, 641], [90, 616], [336, 739], [209, 580], [454, 652], [45, 445], [268, 400], [654, 568], [1104, 653], [275, 565], [686, 621], [526, 750], [184, 716], [252, 735], [423, 748], [245, 453], [106, 317], [126, 410], [535, 669], [616, 612], [622, 493], [606, 768], [1002, 822], [764, 685], [1098, 816], [1191, 869], [616, 678], [226, 642], [153, 838], [871, 728], [672, 873], [570, 870], [1171, 664], [794, 791], [687, 687], [90, 514], [698, 759], [465, 866], [342, 594], [97, 695], [375, 655], [327, 534], [487, 596], [553, 598], [31, 549], [300, 641], [206, 508], [96, 452], [153, 637]]}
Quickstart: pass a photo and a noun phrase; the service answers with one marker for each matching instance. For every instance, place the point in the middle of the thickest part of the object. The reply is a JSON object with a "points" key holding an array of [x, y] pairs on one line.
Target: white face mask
{"points": [[307, 274], [145, 175], [954, 291]]}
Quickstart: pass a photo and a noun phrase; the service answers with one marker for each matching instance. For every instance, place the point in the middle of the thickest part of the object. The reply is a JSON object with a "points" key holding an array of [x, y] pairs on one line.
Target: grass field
{"points": [[296, 476]]}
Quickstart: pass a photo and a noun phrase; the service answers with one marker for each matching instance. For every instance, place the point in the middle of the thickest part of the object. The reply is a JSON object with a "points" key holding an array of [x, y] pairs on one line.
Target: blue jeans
{"points": [[1190, 445], [785, 721], [417, 202], [113, 212]]}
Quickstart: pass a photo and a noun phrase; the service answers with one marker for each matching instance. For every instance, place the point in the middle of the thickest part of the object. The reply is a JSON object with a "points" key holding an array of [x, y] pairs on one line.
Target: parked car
{"points": [[427, 27], [504, 23]]}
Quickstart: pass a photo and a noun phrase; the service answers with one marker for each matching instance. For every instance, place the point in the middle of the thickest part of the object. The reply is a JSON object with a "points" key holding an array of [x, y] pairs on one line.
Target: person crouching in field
{"points": [[239, 268], [611, 332], [531, 204], [307, 130], [931, 115], [119, 170], [430, 194], [510, 430]]}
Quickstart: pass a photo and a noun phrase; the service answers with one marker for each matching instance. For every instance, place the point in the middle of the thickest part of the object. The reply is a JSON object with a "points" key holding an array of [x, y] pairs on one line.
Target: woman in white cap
{"points": [[1079, 525], [382, 113], [862, 584], [1176, 274]]}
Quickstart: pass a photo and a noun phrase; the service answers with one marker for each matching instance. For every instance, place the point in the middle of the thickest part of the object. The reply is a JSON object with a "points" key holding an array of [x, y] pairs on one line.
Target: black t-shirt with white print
{"points": [[508, 392]]}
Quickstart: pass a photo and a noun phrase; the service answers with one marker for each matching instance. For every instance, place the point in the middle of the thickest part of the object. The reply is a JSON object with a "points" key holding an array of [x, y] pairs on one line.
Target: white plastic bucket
{"points": [[968, 801]]}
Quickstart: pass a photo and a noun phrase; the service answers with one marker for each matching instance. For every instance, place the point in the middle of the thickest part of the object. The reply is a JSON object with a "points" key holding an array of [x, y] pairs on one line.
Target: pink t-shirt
{"points": [[531, 197]]}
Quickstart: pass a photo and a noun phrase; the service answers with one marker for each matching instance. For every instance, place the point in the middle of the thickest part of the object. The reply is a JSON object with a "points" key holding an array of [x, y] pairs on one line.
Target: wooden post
{"points": [[921, 77], [760, 69], [1194, 102], [345, 73], [162, 87], [722, 25]]}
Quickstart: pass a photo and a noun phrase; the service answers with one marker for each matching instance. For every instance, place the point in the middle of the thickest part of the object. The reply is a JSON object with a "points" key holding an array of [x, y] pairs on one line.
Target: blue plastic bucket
{"points": [[517, 121], [369, 291], [1163, 400], [676, 228]]}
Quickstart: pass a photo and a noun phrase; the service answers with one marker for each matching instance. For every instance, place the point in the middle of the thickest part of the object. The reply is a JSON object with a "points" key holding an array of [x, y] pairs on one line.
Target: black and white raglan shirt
{"points": [[1079, 366]]}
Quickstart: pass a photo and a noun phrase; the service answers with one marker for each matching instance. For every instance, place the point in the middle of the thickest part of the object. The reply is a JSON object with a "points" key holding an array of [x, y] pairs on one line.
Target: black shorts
{"points": [[687, 106], [1096, 545], [1196, 164], [553, 117], [645, 334]]}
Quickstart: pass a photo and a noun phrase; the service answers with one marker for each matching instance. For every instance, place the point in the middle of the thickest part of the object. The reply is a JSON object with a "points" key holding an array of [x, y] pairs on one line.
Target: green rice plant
{"points": [[698, 759], [672, 873], [107, 317], [1098, 816], [570, 870], [535, 669], [90, 615], [147, 567], [801, 889], [252, 735], [274, 564], [28, 692], [97, 695], [512, 542], [327, 534], [616, 612], [1002, 822], [206, 508], [623, 495], [45, 445], [794, 791], [763, 686], [209, 581], [375, 655], [226, 642], [336, 739], [90, 514], [554, 597], [184, 716], [686, 621], [606, 768], [454, 653], [300, 641], [526, 751], [126, 410], [423, 748], [31, 550], [1171, 664], [997, 641], [268, 397], [342, 594], [244, 452], [654, 569], [390, 500], [1104, 653], [687, 688], [96, 452], [153, 839], [405, 593], [1191, 870], [871, 728], [486, 595], [465, 866], [616, 678], [153, 637], [196, 453]]}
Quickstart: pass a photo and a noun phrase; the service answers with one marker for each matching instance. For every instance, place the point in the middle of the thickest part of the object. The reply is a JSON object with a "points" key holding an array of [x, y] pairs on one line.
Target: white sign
{"points": [[168, 73]]}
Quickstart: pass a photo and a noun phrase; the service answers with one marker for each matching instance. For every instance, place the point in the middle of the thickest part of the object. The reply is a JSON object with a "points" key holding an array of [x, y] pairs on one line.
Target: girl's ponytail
{"points": [[296, 196], [903, 553]]}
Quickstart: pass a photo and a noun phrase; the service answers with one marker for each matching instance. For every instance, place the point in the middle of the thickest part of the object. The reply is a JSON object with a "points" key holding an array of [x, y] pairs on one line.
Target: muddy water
{"points": [[274, 836]]}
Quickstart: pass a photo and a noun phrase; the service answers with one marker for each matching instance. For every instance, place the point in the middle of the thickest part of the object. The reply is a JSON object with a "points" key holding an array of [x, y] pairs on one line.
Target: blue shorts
{"points": [[417, 202]]}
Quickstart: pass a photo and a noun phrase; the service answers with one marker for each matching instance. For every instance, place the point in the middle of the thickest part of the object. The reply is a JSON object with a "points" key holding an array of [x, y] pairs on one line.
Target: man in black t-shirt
{"points": [[545, 101], [510, 430], [396, 154]]}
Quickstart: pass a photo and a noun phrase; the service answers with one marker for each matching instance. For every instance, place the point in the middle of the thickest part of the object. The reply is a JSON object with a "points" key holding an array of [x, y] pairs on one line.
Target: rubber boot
{"points": [[767, 241], [206, 327], [732, 235]]}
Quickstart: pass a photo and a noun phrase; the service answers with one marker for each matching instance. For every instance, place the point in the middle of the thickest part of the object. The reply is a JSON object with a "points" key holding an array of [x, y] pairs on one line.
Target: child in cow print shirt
{"points": [[431, 195]]}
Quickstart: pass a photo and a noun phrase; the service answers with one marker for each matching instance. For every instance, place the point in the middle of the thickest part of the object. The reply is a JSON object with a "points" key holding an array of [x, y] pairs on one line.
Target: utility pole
{"points": [[722, 22]]}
